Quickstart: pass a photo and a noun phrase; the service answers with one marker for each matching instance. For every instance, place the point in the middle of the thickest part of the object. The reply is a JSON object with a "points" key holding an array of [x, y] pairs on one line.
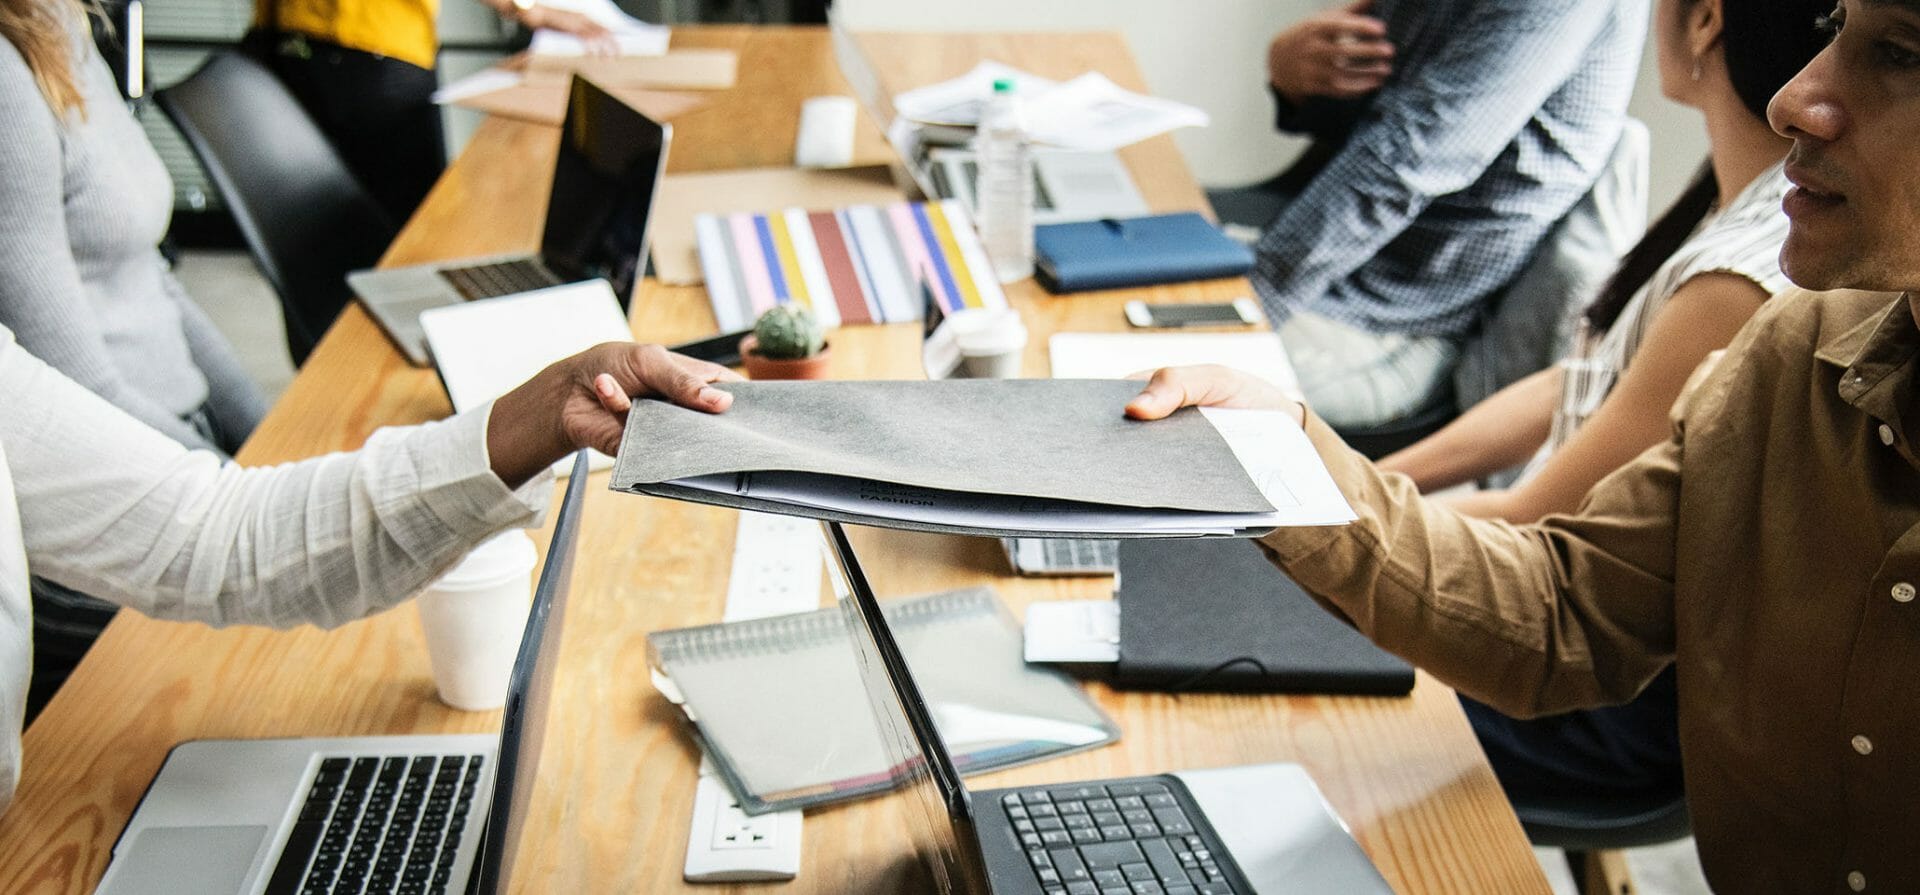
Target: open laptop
{"points": [[425, 814], [605, 178], [1068, 185], [1249, 830]]}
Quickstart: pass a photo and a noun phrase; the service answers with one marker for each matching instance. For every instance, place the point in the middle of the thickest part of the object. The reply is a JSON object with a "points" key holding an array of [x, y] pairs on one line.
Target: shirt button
{"points": [[1903, 592], [1857, 881], [1886, 434], [1862, 745]]}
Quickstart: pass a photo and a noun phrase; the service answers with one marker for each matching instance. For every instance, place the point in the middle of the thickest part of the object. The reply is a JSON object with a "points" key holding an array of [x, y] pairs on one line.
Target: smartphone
{"points": [[1240, 311]]}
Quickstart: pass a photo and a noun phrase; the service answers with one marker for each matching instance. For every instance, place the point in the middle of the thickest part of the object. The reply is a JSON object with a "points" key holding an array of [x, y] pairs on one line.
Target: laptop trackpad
{"points": [[186, 861]]}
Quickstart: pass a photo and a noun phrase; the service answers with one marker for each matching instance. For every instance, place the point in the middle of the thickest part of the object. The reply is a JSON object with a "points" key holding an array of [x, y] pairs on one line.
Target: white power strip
{"points": [[776, 571]]}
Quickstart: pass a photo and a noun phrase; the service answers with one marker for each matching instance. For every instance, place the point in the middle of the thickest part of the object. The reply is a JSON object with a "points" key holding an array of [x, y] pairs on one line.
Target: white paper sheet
{"points": [[636, 38], [1093, 113], [479, 83], [1072, 631], [1119, 355], [1089, 112], [958, 102]]}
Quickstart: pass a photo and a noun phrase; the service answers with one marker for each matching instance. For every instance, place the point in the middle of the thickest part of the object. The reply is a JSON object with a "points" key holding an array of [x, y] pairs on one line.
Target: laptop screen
{"points": [[610, 163], [938, 815], [523, 725]]}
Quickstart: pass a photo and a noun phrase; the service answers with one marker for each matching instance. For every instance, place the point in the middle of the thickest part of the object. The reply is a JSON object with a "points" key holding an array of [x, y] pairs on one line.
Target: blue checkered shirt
{"points": [[1499, 116]]}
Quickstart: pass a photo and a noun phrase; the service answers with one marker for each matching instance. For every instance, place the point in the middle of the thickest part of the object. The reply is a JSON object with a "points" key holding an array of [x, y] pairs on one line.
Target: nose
{"points": [[1807, 107]]}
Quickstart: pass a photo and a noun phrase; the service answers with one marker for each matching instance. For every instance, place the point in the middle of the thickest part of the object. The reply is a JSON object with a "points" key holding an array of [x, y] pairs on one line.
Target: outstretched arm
{"points": [[114, 509]]}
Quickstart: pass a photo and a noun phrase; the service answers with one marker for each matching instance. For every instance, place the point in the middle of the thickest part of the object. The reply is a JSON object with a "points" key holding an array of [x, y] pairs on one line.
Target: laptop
{"points": [[1068, 185], [1248, 830], [424, 814], [1048, 557], [605, 176]]}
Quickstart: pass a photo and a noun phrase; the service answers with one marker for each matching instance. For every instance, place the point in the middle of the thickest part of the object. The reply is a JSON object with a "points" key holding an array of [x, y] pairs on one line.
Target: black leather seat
{"points": [[1585, 826], [305, 218]]}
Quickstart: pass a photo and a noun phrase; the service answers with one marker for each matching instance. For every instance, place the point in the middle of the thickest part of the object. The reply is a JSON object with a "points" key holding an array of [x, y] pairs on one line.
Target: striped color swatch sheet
{"points": [[860, 264]]}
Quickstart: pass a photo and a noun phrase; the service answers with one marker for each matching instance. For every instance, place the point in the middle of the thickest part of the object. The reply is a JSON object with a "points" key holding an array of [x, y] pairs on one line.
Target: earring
{"points": [[1696, 68]]}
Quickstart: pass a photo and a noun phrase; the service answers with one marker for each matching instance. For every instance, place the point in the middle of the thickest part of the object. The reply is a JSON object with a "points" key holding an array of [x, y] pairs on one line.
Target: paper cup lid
{"points": [[500, 557]]}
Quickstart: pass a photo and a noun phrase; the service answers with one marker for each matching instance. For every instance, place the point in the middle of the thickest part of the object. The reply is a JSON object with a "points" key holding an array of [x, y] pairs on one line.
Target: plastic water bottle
{"points": [[1004, 191]]}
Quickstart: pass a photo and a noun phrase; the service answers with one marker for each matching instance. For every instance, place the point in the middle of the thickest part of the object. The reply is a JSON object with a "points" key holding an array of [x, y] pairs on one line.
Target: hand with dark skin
{"points": [[1341, 53], [583, 401]]}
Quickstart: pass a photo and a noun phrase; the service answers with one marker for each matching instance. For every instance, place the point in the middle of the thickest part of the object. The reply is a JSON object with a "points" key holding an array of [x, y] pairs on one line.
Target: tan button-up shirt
{"points": [[1770, 549]]}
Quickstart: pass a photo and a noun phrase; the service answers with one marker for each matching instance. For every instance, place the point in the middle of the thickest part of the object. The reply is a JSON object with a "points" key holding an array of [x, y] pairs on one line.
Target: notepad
{"points": [[778, 704], [860, 264]]}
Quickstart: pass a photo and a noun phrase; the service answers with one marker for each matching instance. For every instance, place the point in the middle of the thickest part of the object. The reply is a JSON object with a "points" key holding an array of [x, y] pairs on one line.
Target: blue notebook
{"points": [[1116, 253]]}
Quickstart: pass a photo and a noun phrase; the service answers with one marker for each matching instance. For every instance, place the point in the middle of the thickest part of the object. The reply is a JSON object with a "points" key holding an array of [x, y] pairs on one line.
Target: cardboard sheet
{"points": [[677, 70], [676, 255], [546, 103]]}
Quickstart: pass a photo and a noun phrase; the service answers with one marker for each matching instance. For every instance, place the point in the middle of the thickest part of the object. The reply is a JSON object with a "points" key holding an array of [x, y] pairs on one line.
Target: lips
{"points": [[1810, 186]]}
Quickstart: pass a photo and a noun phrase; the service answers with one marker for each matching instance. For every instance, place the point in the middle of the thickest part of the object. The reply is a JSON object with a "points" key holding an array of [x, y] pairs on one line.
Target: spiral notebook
{"points": [[778, 705]]}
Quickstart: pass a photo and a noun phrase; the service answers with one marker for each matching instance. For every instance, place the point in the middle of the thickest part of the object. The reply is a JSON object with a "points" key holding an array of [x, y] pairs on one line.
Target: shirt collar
{"points": [[1878, 355]]}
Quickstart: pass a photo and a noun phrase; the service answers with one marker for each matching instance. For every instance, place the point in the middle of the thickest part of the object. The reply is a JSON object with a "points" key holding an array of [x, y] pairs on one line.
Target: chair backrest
{"points": [[305, 218], [1530, 325]]}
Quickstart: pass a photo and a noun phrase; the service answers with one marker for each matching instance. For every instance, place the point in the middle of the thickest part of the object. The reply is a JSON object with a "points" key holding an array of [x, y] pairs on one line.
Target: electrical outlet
{"points": [[776, 567], [733, 828], [776, 571], [725, 845]]}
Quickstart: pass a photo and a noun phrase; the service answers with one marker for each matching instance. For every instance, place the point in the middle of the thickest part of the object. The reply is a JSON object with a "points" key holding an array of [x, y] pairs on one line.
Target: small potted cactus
{"points": [[787, 343]]}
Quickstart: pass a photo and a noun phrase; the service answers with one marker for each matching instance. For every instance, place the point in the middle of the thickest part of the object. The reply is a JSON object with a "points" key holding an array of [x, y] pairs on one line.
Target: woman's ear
{"points": [[1703, 27]]}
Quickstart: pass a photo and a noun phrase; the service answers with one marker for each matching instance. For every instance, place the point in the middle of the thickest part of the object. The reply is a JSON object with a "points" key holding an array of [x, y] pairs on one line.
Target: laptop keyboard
{"points": [[1132, 838], [1070, 556], [502, 278], [379, 825]]}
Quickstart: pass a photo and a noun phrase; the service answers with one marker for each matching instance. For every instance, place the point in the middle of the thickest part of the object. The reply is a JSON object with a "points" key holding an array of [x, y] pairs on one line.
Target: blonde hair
{"points": [[41, 31]]}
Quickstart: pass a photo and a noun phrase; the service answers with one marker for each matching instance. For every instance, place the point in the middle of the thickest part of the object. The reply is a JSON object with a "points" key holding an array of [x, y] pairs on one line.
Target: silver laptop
{"points": [[425, 814], [605, 178], [1068, 185], [1248, 830]]}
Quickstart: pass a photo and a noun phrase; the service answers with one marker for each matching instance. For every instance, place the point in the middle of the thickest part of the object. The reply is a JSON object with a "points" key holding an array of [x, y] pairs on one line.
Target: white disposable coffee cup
{"points": [[991, 343], [825, 138], [473, 617]]}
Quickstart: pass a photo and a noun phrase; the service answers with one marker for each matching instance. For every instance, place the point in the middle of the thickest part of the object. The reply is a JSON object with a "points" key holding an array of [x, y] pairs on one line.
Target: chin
{"points": [[1808, 267]]}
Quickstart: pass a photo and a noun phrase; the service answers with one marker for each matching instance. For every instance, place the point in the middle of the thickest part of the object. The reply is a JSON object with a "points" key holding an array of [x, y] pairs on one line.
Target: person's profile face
{"points": [[1854, 117]]}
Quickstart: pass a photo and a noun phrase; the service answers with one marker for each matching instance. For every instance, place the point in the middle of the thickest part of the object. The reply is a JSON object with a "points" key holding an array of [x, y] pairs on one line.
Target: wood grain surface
{"points": [[610, 812]]}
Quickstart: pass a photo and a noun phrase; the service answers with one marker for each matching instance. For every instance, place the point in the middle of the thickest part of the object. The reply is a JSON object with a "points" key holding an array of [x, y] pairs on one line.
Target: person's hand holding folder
{"points": [[1208, 385]]}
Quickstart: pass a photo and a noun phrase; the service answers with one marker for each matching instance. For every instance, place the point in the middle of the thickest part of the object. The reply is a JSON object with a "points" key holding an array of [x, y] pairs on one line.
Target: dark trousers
{"points": [[1630, 750], [378, 112]]}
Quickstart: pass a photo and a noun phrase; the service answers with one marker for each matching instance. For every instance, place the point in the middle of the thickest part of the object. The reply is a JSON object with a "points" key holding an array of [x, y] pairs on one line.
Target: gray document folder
{"points": [[1034, 457]]}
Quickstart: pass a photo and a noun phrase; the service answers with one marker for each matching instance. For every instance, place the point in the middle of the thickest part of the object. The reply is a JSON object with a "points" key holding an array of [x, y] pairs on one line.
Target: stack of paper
{"points": [[632, 36], [862, 264], [1088, 112], [1012, 457]]}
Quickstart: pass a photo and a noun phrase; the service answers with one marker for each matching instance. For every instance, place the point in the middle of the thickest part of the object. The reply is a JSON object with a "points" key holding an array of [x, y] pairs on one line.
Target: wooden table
{"points": [[611, 811]]}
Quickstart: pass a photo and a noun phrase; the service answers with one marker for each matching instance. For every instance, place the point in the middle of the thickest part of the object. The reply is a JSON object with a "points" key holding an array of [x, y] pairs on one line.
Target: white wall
{"points": [[1212, 53]]}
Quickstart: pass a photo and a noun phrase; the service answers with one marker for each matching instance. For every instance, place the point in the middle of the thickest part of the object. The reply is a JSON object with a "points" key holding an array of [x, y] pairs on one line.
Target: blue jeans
{"points": [[1358, 379]]}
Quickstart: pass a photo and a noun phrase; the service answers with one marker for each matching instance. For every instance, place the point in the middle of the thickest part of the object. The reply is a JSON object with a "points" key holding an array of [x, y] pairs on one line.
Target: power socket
{"points": [[734, 829], [725, 845], [776, 567], [776, 571]]}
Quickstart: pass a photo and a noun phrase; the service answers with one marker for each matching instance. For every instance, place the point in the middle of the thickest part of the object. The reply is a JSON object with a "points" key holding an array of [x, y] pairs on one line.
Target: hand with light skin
{"points": [[594, 36], [1209, 385], [583, 401], [1340, 53]]}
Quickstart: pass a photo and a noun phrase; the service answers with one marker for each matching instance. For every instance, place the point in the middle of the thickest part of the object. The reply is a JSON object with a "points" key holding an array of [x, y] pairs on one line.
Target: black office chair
{"points": [[306, 220], [1588, 828]]}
